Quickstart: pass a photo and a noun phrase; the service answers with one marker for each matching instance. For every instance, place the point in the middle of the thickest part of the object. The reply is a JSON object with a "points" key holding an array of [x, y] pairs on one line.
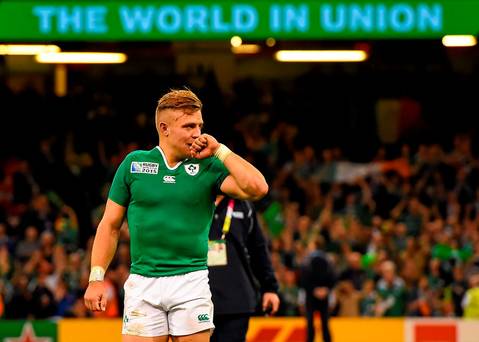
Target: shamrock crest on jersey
{"points": [[192, 169]]}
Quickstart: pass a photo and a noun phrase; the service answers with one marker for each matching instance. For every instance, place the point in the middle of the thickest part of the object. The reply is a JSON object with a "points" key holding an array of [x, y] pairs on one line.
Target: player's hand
{"points": [[204, 146], [95, 296], [270, 302]]}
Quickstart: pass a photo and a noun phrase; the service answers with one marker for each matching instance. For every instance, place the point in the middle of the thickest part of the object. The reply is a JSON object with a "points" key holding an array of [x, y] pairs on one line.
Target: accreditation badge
{"points": [[217, 253]]}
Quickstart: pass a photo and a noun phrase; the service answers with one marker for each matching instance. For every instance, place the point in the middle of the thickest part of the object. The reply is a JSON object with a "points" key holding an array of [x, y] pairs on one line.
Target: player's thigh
{"points": [[141, 318], [129, 338], [202, 336], [191, 309]]}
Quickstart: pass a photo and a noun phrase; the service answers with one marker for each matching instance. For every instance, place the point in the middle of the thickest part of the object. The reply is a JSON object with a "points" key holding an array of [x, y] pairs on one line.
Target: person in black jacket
{"points": [[238, 261], [317, 279]]}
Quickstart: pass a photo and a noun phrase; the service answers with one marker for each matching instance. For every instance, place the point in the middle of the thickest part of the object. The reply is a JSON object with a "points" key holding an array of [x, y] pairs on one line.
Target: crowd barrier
{"points": [[260, 330]]}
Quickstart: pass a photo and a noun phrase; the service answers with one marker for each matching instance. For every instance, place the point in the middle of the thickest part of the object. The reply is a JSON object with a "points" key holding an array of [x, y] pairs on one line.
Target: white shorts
{"points": [[175, 305]]}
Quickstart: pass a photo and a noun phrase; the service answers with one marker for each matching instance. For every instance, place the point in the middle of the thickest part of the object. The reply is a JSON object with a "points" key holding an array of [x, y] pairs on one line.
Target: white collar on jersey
{"points": [[166, 161]]}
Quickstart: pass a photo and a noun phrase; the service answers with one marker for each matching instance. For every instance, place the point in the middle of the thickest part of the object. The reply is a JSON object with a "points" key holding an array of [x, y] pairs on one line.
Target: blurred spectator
{"points": [[458, 289], [317, 280], [369, 298], [27, 246], [43, 300], [73, 272], [66, 228], [348, 298], [64, 298], [4, 238], [471, 298], [41, 214], [6, 262], [289, 294], [2, 298], [354, 273], [422, 299], [19, 304], [391, 292]]}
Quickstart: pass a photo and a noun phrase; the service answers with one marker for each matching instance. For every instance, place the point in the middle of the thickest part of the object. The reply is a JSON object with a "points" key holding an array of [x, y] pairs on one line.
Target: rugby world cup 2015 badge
{"points": [[192, 169], [144, 167]]}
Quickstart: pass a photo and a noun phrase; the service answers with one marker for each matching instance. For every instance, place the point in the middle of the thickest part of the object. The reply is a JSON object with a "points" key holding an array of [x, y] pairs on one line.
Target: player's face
{"points": [[184, 130]]}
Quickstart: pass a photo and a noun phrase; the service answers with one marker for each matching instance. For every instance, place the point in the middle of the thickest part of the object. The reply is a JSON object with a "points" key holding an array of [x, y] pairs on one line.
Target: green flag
{"points": [[273, 216]]}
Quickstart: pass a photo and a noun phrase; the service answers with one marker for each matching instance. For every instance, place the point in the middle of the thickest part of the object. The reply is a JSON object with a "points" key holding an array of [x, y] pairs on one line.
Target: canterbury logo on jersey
{"points": [[144, 167], [203, 318], [169, 179]]}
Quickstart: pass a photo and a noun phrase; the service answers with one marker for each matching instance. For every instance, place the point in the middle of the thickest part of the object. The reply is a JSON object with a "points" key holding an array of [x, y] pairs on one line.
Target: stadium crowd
{"points": [[400, 227]]}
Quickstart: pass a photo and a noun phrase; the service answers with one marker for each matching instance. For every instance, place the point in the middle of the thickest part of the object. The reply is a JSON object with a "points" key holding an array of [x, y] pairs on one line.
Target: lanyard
{"points": [[229, 214]]}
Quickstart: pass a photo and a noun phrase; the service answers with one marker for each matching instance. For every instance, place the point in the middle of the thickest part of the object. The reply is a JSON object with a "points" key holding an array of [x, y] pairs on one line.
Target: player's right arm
{"points": [[104, 247], [244, 180]]}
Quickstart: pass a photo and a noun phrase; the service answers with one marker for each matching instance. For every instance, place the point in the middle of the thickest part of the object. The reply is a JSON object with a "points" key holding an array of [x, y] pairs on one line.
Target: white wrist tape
{"points": [[222, 152], [97, 273]]}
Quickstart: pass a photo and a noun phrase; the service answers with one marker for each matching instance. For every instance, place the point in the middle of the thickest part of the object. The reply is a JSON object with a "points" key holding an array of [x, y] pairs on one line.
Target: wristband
{"points": [[222, 152], [97, 273]]}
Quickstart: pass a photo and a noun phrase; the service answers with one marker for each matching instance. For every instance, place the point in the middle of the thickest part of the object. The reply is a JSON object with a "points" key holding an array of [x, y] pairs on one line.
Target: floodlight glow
{"points": [[24, 49], [246, 49], [81, 58], [236, 41], [459, 40], [321, 55]]}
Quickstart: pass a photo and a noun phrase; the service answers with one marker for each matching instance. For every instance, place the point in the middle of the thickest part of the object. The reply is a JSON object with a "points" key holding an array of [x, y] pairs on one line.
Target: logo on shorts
{"points": [[203, 318], [192, 169]]}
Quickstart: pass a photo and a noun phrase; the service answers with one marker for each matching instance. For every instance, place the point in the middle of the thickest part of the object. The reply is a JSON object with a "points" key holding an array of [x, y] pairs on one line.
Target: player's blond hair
{"points": [[183, 99]]}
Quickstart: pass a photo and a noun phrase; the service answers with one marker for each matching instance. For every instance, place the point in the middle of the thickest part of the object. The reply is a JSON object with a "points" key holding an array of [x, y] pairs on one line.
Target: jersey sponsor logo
{"points": [[169, 179], [144, 167], [203, 318], [192, 169]]}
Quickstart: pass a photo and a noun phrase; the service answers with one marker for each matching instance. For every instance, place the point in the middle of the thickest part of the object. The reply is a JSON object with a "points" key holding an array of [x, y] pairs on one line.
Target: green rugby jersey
{"points": [[169, 210]]}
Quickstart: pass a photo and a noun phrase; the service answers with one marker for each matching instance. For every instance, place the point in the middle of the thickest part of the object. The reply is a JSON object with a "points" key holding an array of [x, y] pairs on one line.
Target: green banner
{"points": [[206, 20], [22, 331]]}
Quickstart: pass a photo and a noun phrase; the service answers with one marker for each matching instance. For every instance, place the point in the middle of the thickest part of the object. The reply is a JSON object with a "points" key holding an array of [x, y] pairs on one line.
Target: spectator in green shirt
{"points": [[391, 291]]}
